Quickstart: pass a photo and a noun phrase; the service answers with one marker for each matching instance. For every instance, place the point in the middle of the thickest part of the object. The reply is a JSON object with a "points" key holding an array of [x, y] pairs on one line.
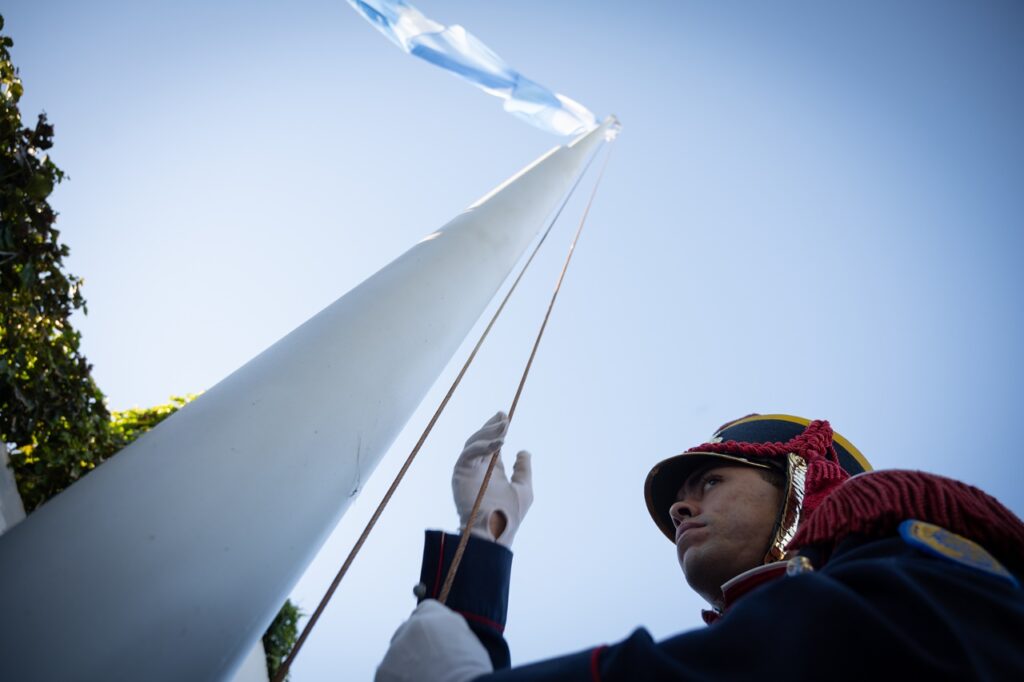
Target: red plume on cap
{"points": [[814, 444], [874, 504]]}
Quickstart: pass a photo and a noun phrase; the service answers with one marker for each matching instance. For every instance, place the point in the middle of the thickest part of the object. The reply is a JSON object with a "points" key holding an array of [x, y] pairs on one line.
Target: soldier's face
{"points": [[723, 517]]}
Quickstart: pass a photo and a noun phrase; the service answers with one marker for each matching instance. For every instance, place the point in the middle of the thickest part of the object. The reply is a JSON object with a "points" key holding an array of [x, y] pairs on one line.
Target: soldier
{"points": [[813, 567]]}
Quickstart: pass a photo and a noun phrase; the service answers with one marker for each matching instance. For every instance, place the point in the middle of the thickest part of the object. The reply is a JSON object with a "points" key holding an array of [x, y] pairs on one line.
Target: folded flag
{"points": [[457, 50]]}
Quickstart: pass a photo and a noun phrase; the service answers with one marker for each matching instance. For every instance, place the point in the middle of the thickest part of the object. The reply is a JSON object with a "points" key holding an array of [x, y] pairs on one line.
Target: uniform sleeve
{"points": [[480, 590], [903, 617]]}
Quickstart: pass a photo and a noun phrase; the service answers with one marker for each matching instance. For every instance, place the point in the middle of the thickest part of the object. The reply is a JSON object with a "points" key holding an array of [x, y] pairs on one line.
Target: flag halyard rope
{"points": [[464, 537], [282, 672]]}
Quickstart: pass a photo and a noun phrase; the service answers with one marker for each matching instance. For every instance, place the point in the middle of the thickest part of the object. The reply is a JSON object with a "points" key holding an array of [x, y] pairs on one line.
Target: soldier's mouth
{"points": [[682, 528]]}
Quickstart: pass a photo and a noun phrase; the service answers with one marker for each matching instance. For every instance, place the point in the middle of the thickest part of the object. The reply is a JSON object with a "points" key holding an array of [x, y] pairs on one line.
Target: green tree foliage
{"points": [[280, 637], [53, 420], [127, 425]]}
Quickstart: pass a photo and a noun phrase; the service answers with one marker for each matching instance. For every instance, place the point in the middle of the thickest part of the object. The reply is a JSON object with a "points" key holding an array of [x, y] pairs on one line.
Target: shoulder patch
{"points": [[947, 545]]}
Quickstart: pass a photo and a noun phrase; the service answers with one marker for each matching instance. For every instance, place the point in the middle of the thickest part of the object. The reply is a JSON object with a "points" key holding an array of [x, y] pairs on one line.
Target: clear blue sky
{"points": [[812, 209]]}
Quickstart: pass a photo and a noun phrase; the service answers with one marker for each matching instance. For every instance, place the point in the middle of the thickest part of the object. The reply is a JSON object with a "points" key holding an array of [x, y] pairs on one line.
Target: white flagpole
{"points": [[169, 561]]}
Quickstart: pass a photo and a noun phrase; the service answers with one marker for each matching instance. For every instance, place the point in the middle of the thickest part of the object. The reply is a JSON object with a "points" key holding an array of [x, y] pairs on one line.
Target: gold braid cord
{"points": [[789, 515]]}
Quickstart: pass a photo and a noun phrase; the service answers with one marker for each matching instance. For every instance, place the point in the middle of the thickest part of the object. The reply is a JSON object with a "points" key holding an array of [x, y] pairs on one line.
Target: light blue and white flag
{"points": [[457, 50]]}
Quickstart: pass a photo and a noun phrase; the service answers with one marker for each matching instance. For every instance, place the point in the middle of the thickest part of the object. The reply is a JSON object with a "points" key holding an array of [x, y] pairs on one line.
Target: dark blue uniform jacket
{"points": [[879, 609]]}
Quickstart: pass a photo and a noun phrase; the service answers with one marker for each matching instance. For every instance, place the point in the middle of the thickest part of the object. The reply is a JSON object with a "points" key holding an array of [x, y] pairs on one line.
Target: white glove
{"points": [[435, 644], [505, 503]]}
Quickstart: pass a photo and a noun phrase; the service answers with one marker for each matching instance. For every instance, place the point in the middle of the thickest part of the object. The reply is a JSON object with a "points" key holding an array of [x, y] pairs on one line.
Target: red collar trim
{"points": [[745, 582]]}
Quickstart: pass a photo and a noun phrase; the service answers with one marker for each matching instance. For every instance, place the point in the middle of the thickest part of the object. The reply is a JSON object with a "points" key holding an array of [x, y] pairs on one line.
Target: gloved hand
{"points": [[506, 502], [435, 644]]}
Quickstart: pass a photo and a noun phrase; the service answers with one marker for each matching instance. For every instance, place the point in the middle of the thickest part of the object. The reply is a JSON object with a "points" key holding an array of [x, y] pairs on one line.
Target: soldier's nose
{"points": [[681, 510]]}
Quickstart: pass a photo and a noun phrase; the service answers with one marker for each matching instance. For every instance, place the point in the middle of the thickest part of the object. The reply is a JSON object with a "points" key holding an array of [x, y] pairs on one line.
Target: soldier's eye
{"points": [[710, 481]]}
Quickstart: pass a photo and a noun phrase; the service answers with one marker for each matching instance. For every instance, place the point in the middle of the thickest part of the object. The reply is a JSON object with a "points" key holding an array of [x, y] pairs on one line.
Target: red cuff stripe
{"points": [[595, 668], [484, 620]]}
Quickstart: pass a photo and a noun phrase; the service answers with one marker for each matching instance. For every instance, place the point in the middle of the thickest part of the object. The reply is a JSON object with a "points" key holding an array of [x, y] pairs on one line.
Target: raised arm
{"points": [[473, 622]]}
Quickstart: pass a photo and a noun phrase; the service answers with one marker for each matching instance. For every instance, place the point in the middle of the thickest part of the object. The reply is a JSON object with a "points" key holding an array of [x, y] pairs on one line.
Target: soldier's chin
{"points": [[700, 576], [690, 559], [690, 539]]}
